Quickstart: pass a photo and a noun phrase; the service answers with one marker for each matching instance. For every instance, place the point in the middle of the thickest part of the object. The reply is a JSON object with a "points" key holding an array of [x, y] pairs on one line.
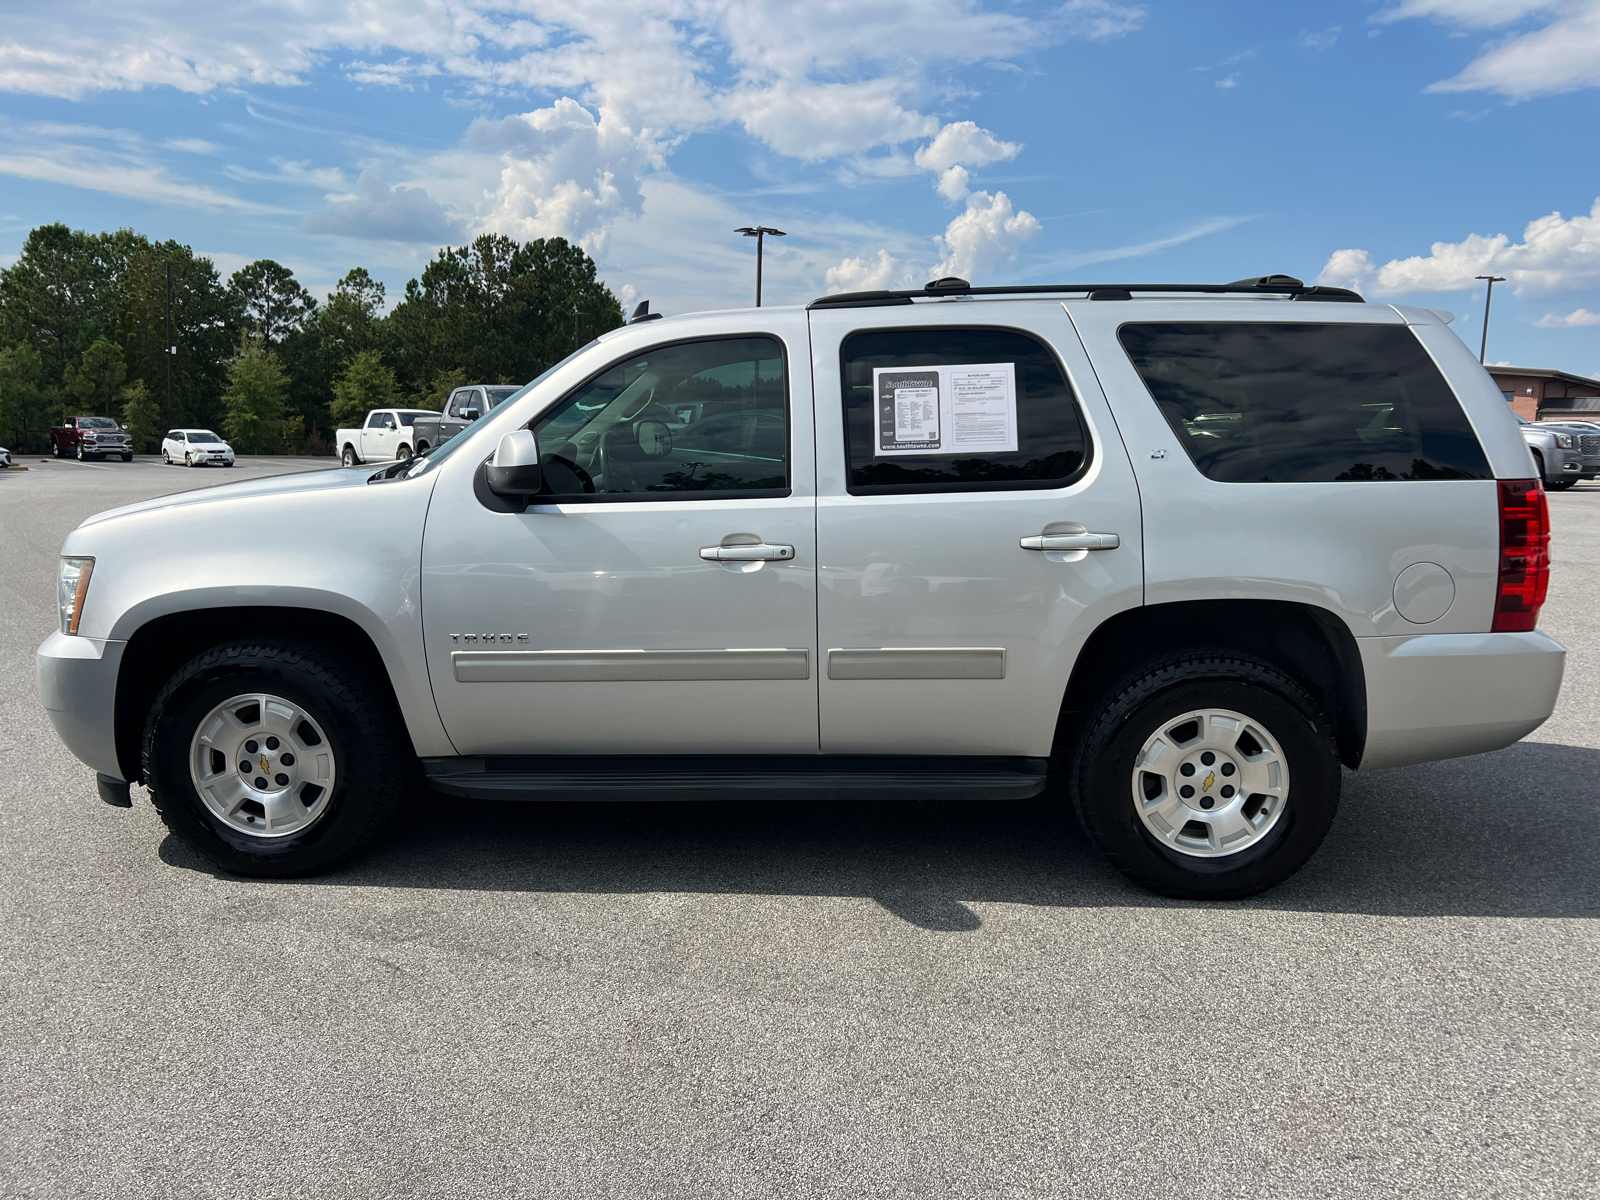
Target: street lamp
{"points": [[760, 233], [1483, 346]]}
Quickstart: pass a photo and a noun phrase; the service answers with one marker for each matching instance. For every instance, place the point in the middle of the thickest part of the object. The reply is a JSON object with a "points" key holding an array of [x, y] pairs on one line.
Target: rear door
{"points": [[966, 463]]}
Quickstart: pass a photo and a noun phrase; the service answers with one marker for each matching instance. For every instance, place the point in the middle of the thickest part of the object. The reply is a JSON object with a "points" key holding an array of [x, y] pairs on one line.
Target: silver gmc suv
{"points": [[1191, 547]]}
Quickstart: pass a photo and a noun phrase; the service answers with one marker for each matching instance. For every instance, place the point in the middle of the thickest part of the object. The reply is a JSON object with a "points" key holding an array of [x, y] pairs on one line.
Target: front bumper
{"points": [[203, 458], [77, 681], [1442, 695]]}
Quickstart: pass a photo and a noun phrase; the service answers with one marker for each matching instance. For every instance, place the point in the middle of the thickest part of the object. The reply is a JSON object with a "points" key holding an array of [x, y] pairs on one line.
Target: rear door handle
{"points": [[1069, 541], [760, 552]]}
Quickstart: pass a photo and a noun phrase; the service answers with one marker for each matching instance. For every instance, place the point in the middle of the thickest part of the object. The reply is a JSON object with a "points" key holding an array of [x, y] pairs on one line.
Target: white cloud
{"points": [[382, 213], [1096, 20], [818, 121], [1229, 81], [873, 274], [1555, 254], [1320, 39], [989, 232], [563, 173], [964, 142], [1348, 269], [192, 146], [1562, 55], [1576, 319]]}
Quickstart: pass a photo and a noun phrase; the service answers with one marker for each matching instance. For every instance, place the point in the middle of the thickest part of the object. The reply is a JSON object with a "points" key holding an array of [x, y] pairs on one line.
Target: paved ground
{"points": [[748, 1001]]}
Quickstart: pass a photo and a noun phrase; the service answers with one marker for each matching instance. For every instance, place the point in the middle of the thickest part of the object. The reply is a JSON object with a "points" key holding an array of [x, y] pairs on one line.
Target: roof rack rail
{"points": [[1265, 285]]}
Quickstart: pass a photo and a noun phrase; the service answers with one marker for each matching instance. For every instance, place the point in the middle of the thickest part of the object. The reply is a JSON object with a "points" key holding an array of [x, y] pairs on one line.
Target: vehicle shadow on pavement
{"points": [[1491, 835]]}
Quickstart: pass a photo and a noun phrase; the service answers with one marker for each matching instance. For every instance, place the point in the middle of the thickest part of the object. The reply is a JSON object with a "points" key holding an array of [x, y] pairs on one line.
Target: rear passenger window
{"points": [[1279, 403], [957, 410]]}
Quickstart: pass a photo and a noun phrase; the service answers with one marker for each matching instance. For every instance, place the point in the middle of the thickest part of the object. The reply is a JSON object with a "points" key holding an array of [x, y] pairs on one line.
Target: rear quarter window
{"points": [[1270, 402]]}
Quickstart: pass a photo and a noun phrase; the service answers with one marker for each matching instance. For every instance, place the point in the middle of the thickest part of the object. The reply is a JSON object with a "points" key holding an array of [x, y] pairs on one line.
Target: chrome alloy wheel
{"points": [[1210, 782], [262, 766]]}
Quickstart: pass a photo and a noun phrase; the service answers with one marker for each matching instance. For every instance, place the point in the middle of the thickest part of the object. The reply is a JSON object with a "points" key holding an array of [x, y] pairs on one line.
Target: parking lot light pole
{"points": [[1483, 346], [170, 348], [760, 233]]}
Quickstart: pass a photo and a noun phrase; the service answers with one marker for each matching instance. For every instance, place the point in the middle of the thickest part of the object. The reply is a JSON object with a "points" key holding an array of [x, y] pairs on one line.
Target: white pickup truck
{"points": [[383, 437]]}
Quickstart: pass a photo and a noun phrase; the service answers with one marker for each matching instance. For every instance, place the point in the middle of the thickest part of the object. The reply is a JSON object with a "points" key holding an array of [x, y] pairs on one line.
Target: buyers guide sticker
{"points": [[966, 409]]}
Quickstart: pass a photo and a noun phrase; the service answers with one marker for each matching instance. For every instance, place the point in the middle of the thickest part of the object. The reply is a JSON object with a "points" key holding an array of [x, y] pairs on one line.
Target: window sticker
{"points": [[965, 409]]}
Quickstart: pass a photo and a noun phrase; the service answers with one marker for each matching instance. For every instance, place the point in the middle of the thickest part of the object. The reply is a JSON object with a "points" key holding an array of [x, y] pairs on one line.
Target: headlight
{"points": [[1564, 440], [70, 591]]}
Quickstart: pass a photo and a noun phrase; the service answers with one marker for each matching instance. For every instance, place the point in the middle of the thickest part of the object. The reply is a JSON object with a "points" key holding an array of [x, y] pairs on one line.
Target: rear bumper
{"points": [[1442, 695], [77, 680]]}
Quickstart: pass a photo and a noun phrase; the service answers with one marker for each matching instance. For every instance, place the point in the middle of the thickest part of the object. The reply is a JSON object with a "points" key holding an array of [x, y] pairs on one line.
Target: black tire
{"points": [[127, 458], [422, 448], [1102, 773], [1538, 466], [373, 755], [82, 457], [1562, 484], [348, 457], [403, 454], [55, 449]]}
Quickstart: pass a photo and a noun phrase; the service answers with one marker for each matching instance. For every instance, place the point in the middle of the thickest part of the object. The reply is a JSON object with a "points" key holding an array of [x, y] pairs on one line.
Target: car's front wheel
{"points": [[272, 758], [1207, 776], [1562, 484], [82, 457], [127, 458]]}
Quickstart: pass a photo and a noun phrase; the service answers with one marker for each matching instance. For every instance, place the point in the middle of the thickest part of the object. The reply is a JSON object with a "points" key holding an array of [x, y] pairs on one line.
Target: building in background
{"points": [[1536, 393]]}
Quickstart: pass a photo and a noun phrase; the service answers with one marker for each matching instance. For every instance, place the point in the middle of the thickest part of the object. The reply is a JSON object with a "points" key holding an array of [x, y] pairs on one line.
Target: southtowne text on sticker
{"points": [[963, 409]]}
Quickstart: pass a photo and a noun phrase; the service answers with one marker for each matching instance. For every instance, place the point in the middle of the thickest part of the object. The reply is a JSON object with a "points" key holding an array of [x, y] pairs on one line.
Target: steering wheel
{"points": [[563, 477]]}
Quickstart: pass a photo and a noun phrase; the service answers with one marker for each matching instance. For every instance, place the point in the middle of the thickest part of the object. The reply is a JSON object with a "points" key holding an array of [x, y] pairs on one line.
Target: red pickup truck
{"points": [[90, 437]]}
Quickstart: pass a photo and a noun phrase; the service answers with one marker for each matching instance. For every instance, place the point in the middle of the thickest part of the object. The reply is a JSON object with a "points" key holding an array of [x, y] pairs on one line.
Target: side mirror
{"points": [[655, 438], [513, 473], [469, 414]]}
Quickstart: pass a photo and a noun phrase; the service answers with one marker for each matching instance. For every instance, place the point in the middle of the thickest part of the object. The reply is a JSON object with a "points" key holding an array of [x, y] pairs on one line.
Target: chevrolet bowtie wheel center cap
{"points": [[1210, 782], [262, 766]]}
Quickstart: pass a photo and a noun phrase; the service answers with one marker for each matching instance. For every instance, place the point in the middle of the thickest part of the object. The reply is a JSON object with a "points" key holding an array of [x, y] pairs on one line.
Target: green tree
{"points": [[27, 407], [434, 395], [62, 293], [142, 415], [205, 329], [92, 385], [365, 384], [499, 311], [253, 403], [271, 301]]}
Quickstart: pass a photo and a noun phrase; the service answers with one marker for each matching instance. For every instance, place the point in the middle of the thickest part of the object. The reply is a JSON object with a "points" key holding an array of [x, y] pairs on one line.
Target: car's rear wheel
{"points": [[348, 456], [403, 454], [165, 457], [272, 758], [1207, 776], [422, 447]]}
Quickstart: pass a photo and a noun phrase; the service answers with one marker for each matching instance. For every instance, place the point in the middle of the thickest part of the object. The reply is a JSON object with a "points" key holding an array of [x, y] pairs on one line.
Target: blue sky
{"points": [[1399, 146]]}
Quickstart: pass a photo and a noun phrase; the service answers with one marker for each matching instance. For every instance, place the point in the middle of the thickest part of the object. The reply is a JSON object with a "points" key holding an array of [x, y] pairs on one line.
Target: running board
{"points": [[672, 777]]}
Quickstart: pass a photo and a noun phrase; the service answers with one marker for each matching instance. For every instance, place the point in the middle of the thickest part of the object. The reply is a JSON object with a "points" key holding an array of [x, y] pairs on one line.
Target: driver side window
{"points": [[696, 420]]}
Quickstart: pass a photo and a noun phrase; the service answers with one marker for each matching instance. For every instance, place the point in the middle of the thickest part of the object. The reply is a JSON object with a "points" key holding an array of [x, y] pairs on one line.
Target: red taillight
{"points": [[1524, 555]]}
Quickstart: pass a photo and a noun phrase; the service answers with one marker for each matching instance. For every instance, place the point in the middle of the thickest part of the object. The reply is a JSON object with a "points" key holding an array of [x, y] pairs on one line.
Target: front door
{"points": [[977, 519], [662, 598]]}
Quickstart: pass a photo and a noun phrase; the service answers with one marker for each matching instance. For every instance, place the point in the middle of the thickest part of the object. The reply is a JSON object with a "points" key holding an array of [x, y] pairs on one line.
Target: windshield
{"points": [[203, 435], [425, 462], [96, 423]]}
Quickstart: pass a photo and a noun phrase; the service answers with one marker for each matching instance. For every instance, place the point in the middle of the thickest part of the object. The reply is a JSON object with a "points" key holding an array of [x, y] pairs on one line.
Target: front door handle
{"points": [[760, 552], [1070, 541]]}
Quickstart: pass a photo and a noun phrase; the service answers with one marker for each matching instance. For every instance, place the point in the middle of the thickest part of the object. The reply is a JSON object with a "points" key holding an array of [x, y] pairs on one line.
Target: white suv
{"points": [[1191, 547]]}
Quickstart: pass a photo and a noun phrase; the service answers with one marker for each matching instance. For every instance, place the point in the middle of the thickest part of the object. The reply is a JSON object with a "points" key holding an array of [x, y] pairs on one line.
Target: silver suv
{"points": [[1191, 548]]}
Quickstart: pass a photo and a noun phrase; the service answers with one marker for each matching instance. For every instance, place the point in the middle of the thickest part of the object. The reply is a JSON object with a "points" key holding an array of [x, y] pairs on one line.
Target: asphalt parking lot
{"points": [[752, 1001]]}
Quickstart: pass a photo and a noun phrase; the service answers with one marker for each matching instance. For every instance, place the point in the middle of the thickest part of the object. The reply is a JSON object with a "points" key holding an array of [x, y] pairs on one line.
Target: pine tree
{"points": [[253, 402], [365, 384], [27, 408], [92, 385], [142, 416]]}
